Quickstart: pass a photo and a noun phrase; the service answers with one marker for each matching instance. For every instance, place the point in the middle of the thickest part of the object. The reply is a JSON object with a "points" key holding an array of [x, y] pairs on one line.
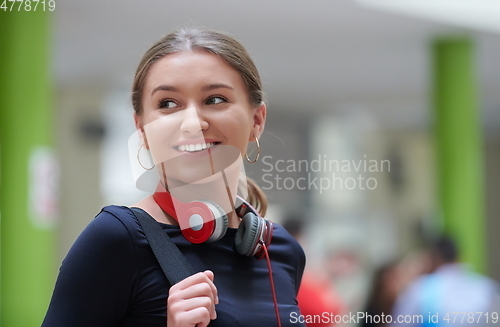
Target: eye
{"points": [[167, 104], [216, 100]]}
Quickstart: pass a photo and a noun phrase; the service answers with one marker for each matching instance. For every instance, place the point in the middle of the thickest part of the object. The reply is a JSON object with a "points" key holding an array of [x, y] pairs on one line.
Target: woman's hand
{"points": [[191, 302]]}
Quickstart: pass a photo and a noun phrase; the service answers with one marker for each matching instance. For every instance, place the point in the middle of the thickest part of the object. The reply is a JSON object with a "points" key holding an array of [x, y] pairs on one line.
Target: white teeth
{"points": [[194, 147]]}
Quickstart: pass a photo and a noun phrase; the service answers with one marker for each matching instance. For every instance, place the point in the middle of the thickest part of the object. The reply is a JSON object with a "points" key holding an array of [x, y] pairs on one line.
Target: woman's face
{"points": [[196, 112]]}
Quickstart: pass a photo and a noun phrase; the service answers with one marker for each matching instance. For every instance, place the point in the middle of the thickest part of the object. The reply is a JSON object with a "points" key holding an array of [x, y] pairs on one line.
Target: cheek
{"points": [[158, 133], [240, 120], [238, 129]]}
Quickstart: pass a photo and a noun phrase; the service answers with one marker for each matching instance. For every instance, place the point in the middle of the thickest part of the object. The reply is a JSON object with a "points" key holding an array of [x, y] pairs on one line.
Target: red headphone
{"points": [[205, 221]]}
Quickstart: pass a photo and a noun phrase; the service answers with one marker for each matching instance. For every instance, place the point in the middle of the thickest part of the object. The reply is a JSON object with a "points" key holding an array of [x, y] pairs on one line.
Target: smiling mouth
{"points": [[195, 147]]}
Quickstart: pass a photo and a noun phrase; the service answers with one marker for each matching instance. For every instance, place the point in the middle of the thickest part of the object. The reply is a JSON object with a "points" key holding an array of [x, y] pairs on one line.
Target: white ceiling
{"points": [[314, 55]]}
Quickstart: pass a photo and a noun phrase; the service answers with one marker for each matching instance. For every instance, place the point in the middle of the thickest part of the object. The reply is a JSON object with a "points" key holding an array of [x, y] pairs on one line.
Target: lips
{"points": [[192, 146], [195, 147]]}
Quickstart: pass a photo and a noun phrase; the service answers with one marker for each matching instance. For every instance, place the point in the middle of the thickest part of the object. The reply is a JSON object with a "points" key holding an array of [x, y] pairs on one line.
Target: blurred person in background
{"points": [[387, 284], [383, 294], [195, 93], [344, 265], [451, 295], [317, 298]]}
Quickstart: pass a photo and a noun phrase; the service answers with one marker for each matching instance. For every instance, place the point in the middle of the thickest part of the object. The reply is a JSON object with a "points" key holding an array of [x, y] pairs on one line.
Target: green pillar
{"points": [[459, 148], [27, 243]]}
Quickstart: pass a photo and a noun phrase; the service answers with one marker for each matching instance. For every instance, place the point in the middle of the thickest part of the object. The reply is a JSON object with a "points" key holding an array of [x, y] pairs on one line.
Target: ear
{"points": [[137, 121], [140, 129], [259, 120]]}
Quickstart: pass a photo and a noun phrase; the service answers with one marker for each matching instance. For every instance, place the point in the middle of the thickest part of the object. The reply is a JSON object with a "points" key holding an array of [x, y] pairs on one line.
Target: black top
{"points": [[110, 277]]}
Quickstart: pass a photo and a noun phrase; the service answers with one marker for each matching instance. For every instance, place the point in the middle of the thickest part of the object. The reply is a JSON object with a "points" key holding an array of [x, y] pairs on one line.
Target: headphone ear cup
{"points": [[221, 220], [248, 233]]}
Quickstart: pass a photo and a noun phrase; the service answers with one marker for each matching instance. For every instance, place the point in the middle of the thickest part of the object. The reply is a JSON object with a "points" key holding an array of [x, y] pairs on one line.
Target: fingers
{"points": [[192, 301], [198, 317], [210, 276], [206, 277]]}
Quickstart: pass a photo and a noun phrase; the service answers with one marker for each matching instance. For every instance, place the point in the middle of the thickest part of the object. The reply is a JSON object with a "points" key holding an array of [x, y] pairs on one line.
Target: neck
{"points": [[234, 220]]}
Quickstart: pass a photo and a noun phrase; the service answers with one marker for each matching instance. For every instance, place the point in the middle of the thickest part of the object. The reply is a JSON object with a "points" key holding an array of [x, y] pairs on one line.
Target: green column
{"points": [[27, 246], [459, 148]]}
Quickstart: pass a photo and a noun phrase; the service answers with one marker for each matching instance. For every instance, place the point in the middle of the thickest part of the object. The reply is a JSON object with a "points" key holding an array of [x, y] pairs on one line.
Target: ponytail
{"points": [[256, 197]]}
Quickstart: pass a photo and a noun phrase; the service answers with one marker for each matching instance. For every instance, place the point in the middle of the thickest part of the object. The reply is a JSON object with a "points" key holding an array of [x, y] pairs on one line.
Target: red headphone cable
{"points": [[271, 280]]}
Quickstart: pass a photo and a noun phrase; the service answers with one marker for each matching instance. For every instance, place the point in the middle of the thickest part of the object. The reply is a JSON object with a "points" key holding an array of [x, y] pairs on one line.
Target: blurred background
{"points": [[383, 129]]}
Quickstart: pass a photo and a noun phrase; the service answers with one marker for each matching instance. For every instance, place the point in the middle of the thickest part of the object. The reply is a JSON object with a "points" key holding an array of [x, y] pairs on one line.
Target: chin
{"points": [[190, 177]]}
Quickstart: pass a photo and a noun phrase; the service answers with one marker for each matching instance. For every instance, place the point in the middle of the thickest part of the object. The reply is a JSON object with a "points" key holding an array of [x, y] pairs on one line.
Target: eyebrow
{"points": [[217, 86], [206, 88], [164, 88]]}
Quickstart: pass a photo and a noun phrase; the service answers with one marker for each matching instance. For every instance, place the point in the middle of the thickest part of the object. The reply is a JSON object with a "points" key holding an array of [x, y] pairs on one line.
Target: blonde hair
{"points": [[222, 45]]}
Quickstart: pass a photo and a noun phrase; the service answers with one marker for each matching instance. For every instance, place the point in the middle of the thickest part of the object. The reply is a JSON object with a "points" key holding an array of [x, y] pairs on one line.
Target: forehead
{"points": [[192, 68]]}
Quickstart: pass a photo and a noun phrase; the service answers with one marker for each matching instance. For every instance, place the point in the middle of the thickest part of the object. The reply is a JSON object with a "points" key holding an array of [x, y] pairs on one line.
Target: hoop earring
{"points": [[258, 152], [139, 159]]}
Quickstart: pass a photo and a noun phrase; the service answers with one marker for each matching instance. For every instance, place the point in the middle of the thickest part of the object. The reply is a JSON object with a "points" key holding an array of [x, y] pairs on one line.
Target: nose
{"points": [[193, 122]]}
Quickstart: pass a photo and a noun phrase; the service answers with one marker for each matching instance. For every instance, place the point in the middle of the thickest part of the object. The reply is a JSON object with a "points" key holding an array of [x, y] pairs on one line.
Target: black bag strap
{"points": [[173, 263]]}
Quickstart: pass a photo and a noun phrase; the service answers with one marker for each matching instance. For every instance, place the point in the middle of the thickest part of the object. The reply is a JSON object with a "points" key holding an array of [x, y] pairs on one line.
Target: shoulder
{"points": [[114, 220], [286, 246], [113, 227], [281, 236], [116, 214], [102, 266], [285, 249]]}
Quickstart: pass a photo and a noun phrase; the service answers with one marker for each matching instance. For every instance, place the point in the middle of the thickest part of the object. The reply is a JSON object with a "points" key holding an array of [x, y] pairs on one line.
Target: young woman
{"points": [[197, 98]]}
